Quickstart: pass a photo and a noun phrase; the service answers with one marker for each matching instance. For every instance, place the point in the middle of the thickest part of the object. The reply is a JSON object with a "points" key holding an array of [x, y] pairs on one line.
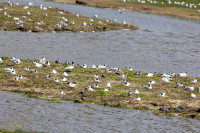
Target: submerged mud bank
{"points": [[45, 79]]}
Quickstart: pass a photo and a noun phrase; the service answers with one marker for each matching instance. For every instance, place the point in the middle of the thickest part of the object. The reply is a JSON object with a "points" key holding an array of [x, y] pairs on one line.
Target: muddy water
{"points": [[62, 116], [171, 46]]}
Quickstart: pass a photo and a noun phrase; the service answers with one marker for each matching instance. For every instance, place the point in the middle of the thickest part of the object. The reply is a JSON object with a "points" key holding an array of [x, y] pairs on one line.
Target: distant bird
{"points": [[198, 90], [1, 61], [38, 64], [162, 94], [108, 85], [194, 81], [108, 70], [70, 67], [71, 84], [96, 80], [66, 62], [123, 80], [193, 95], [129, 68], [32, 71], [28, 13], [123, 76], [90, 88], [16, 78], [82, 66], [94, 66], [24, 17], [138, 98], [137, 73], [165, 79], [65, 74], [115, 69], [64, 79], [191, 88], [26, 69], [57, 61], [127, 84], [77, 15], [20, 76], [60, 92], [152, 82], [124, 22], [56, 80], [47, 63], [129, 93], [167, 110], [95, 86], [149, 74], [149, 87], [96, 76], [166, 75], [184, 74], [179, 110], [30, 4], [95, 16], [179, 84], [101, 66], [54, 71], [136, 92], [105, 89], [84, 23], [47, 76], [11, 72]]}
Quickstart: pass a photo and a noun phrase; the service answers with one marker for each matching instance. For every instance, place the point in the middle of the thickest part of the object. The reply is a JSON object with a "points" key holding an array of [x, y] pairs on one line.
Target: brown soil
{"points": [[171, 11]]}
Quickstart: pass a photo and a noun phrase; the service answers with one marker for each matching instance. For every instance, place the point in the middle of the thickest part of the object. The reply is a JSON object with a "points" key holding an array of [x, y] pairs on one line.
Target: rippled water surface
{"points": [[172, 45], [63, 116]]}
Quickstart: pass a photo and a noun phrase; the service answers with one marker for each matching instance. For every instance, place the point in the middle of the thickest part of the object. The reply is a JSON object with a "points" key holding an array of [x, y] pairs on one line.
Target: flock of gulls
{"points": [[63, 21], [70, 66], [169, 2]]}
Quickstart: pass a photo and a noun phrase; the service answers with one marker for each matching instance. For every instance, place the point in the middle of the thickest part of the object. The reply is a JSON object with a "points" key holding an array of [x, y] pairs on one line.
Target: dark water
{"points": [[63, 116]]}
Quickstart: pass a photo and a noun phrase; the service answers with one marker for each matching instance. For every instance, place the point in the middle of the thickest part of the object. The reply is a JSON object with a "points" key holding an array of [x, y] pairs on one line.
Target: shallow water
{"points": [[64, 116], [171, 46]]}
